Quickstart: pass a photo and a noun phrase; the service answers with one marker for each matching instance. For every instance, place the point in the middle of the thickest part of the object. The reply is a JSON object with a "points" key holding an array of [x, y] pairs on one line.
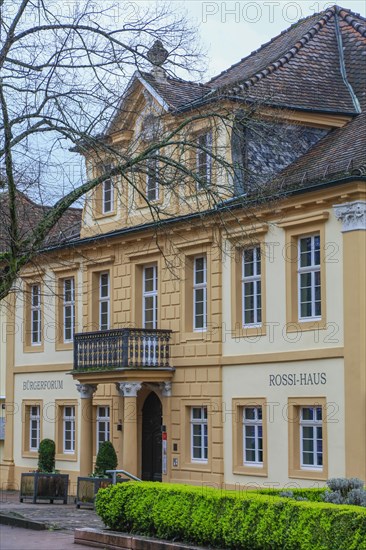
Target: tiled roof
{"points": [[30, 214], [176, 92], [317, 63], [341, 153]]}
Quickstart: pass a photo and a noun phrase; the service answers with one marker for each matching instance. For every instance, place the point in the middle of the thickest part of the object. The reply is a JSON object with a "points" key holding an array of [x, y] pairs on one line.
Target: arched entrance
{"points": [[152, 412]]}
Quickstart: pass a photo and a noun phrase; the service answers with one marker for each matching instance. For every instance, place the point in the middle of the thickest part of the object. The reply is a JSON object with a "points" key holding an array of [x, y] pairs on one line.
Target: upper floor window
{"points": [[199, 434], [69, 429], [251, 287], [204, 159], [150, 297], [200, 293], [104, 301], [35, 318], [311, 438], [107, 193], [69, 309], [309, 285], [34, 427], [152, 179], [103, 425], [253, 436]]}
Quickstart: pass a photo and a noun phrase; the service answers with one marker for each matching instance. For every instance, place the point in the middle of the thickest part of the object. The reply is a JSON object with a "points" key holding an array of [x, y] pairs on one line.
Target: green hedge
{"points": [[225, 519], [314, 495]]}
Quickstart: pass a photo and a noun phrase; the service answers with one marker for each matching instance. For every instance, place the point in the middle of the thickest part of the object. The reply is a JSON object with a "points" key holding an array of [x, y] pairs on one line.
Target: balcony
{"points": [[124, 348]]}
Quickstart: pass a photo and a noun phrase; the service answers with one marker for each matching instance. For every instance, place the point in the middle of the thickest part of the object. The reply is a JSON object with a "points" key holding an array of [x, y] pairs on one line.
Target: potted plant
{"points": [[87, 487], [45, 483]]}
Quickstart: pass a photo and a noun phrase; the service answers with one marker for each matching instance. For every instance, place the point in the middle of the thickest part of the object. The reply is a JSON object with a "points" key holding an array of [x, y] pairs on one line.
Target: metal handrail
{"points": [[115, 472]]}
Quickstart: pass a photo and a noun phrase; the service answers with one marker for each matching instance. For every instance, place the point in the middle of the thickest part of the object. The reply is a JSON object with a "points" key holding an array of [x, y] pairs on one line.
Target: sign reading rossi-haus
{"points": [[43, 385], [298, 379]]}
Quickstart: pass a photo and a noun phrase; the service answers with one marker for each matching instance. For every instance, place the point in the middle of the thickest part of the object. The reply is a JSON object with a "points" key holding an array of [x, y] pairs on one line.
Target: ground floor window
{"points": [[307, 428], [252, 436], [311, 437], [103, 425], [31, 427], [69, 429], [34, 428], [250, 455], [199, 434]]}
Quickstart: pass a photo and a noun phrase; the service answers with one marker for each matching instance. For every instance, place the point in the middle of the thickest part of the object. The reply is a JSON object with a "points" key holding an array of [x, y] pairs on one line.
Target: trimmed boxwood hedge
{"points": [[226, 519], [314, 494]]}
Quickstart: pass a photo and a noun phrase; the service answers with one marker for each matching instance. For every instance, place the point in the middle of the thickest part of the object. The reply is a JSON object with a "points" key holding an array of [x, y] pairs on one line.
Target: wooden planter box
{"points": [[39, 486], [87, 489]]}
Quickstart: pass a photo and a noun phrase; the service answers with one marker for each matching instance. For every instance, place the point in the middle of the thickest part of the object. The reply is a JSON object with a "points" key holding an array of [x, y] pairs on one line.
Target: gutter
{"points": [[222, 207], [342, 66]]}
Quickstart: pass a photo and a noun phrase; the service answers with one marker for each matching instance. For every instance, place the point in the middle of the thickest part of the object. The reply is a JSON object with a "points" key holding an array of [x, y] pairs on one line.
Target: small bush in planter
{"points": [[106, 459], [46, 456]]}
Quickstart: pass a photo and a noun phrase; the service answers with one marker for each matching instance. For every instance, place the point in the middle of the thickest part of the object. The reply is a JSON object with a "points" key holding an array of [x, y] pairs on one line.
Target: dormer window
{"points": [[152, 180], [203, 159], [108, 193]]}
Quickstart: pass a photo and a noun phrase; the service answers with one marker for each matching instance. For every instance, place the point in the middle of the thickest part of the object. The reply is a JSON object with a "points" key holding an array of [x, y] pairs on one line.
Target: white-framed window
{"points": [[104, 301], [252, 436], [103, 425], [150, 297], [107, 192], [34, 427], [309, 283], [69, 309], [36, 334], [204, 159], [68, 431], [311, 438], [152, 179], [199, 434], [200, 293], [251, 287]]}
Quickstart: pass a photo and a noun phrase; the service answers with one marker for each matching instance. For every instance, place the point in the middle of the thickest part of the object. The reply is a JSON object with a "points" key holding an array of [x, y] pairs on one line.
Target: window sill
{"points": [[33, 349], [196, 467], [251, 471], [311, 324], [101, 216], [308, 474], [71, 457], [61, 346], [196, 336], [30, 454], [249, 332]]}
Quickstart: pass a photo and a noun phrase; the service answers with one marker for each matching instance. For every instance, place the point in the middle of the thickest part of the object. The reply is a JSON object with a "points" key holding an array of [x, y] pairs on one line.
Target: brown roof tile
{"points": [[29, 216], [306, 66], [176, 92], [341, 153]]}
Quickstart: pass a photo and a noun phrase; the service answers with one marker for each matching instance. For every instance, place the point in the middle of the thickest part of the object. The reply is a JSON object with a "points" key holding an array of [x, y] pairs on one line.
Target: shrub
{"points": [[106, 459], [230, 520], [46, 456], [346, 491]]}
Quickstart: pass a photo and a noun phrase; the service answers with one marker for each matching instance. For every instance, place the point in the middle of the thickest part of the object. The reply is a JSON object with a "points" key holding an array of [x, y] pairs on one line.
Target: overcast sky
{"points": [[231, 30]]}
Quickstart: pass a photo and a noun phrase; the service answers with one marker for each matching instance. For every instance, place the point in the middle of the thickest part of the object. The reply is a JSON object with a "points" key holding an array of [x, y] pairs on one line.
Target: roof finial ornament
{"points": [[157, 55]]}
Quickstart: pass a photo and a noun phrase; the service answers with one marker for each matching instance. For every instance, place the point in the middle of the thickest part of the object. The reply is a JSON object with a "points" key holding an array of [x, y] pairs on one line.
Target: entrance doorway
{"points": [[151, 438]]}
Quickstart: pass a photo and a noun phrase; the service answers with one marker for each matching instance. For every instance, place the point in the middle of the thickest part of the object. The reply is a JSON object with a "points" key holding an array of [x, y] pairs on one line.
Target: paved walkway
{"points": [[60, 519], [56, 516]]}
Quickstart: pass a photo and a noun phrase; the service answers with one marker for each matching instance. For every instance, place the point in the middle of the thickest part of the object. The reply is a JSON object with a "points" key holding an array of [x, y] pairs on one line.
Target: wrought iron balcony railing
{"points": [[121, 348]]}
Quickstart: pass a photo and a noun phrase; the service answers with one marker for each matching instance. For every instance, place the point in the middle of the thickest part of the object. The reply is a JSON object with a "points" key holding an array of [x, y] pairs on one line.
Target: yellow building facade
{"points": [[227, 350]]}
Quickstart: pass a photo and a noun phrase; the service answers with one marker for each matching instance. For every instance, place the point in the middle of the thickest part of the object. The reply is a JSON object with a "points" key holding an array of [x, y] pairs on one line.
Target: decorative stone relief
{"points": [[128, 389], [166, 389], [352, 215], [86, 390]]}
